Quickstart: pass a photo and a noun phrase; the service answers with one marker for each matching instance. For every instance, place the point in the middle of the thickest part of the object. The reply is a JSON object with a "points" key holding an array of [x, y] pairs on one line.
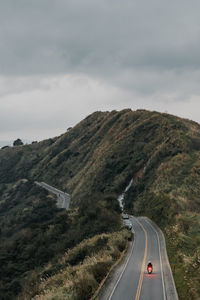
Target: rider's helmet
{"points": [[149, 264]]}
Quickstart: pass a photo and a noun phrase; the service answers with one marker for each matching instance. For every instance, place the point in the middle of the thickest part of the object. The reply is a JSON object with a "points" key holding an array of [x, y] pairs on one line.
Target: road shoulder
{"points": [[111, 280]]}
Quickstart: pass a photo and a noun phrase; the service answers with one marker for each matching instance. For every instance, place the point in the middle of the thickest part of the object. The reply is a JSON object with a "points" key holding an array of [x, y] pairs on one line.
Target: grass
{"points": [[183, 245], [83, 268]]}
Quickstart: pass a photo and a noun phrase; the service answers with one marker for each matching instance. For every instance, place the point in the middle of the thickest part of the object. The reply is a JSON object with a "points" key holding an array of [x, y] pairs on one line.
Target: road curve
{"points": [[133, 282], [63, 199]]}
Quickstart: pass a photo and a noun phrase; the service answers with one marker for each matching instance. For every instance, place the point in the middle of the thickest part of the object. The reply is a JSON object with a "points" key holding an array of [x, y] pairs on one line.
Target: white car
{"points": [[128, 224], [125, 216]]}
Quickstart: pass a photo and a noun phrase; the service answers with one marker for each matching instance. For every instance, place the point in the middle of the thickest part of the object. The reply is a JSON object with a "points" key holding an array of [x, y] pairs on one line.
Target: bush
{"points": [[18, 142]]}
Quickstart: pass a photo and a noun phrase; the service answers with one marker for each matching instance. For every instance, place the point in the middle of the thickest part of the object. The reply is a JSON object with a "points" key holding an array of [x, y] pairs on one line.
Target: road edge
{"points": [[115, 271]]}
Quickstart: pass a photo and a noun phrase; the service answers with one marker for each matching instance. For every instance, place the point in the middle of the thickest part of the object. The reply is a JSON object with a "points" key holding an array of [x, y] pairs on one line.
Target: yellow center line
{"points": [[137, 297]]}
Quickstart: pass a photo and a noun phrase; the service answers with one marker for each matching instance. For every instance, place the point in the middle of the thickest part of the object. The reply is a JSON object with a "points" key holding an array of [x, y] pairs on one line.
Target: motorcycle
{"points": [[149, 268]]}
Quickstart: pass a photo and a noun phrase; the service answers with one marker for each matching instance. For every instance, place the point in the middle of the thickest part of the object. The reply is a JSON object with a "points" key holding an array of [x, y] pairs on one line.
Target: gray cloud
{"points": [[37, 112], [144, 51], [98, 36]]}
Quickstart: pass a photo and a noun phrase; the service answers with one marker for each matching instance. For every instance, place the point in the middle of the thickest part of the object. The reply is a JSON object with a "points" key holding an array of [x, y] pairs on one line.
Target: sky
{"points": [[61, 60]]}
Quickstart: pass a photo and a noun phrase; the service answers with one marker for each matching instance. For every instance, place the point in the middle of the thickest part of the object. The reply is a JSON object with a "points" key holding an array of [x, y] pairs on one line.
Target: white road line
{"points": [[161, 266], [122, 270]]}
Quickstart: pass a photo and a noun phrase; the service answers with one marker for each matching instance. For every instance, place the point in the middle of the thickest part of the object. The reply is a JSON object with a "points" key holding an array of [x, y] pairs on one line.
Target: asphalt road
{"points": [[63, 199], [133, 282]]}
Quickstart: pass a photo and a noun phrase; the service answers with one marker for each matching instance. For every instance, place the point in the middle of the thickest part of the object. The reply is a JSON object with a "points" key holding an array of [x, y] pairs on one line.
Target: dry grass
{"points": [[79, 281]]}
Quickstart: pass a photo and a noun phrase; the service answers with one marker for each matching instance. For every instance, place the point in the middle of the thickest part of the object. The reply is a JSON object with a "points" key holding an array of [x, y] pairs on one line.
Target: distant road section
{"points": [[63, 199], [133, 282]]}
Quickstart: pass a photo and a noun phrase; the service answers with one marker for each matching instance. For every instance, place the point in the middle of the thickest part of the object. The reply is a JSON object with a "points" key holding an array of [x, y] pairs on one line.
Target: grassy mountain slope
{"points": [[94, 161], [35, 233]]}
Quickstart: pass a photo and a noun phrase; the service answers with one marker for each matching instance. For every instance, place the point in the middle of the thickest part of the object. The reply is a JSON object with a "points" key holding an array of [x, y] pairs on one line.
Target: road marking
{"points": [[122, 270], [137, 297], [161, 266]]}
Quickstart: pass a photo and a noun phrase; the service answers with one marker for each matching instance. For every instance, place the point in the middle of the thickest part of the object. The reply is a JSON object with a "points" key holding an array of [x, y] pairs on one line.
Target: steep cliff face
{"points": [[94, 162]]}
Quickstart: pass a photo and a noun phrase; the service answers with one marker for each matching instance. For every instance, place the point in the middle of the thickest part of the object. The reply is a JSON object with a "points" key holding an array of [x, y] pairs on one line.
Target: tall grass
{"points": [[83, 268]]}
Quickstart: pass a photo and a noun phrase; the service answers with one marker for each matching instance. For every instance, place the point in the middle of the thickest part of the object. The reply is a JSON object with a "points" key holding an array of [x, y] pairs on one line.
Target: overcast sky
{"points": [[61, 60]]}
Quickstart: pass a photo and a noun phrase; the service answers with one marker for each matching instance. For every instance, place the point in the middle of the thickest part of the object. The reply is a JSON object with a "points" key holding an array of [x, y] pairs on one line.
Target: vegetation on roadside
{"points": [[77, 274], [183, 244]]}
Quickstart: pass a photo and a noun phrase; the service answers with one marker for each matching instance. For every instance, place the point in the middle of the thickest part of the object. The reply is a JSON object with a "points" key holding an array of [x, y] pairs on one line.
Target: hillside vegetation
{"points": [[78, 273], [94, 161]]}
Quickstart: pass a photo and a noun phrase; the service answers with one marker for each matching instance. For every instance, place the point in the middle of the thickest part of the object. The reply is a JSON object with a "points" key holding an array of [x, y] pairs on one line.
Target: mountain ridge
{"points": [[93, 162]]}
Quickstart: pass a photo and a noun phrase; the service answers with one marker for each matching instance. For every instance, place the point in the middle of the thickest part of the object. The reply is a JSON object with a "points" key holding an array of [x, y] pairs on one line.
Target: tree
{"points": [[18, 142]]}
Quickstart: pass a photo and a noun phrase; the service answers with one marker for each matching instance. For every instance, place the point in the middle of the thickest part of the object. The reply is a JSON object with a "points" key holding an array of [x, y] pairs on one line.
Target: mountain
{"points": [[94, 162]]}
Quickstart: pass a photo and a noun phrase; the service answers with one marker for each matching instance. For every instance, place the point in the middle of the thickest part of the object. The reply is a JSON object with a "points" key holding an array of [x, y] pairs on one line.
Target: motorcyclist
{"points": [[149, 267]]}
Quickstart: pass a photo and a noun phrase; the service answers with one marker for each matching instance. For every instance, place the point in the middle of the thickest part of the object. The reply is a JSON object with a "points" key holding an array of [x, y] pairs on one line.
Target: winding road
{"points": [[63, 199], [133, 282]]}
